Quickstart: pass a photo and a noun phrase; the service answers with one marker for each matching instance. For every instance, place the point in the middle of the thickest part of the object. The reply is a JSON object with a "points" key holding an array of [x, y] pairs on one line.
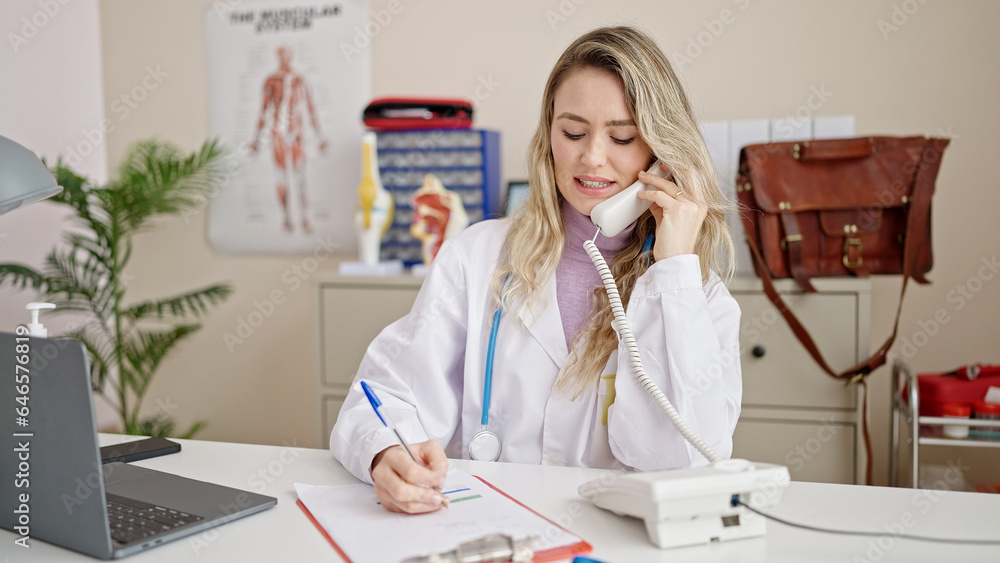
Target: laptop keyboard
{"points": [[133, 520]]}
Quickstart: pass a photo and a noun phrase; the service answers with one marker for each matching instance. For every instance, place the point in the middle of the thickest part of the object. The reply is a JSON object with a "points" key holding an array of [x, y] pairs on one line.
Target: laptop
{"points": [[53, 486]]}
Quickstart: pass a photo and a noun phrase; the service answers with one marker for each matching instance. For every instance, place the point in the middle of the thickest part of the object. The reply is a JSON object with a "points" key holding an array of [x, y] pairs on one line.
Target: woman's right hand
{"points": [[405, 486]]}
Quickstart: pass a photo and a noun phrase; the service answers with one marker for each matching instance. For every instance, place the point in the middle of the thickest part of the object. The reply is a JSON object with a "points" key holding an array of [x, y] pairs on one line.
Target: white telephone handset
{"points": [[620, 210]]}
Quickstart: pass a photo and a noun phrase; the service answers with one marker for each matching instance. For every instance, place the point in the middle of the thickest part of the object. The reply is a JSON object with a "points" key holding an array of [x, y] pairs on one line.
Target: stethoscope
{"points": [[486, 445]]}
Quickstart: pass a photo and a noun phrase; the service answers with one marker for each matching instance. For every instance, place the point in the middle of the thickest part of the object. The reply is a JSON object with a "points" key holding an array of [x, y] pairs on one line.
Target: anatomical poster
{"points": [[287, 84]]}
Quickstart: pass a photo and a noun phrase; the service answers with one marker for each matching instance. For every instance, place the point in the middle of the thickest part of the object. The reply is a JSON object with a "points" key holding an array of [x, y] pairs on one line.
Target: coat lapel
{"points": [[547, 327]]}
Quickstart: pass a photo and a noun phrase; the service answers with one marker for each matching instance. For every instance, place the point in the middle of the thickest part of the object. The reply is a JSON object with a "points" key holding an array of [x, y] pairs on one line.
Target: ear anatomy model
{"points": [[375, 207], [438, 215]]}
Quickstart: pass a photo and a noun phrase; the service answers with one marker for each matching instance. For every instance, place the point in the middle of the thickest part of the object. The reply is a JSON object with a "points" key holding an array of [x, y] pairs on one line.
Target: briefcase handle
{"points": [[833, 149]]}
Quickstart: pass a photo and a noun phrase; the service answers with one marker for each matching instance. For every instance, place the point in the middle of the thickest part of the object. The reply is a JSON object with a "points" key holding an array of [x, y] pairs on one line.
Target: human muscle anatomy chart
{"points": [[285, 100]]}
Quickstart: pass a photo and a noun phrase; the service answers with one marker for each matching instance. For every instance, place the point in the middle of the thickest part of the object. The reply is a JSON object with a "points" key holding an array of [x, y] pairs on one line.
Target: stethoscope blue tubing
{"points": [[488, 383], [488, 379]]}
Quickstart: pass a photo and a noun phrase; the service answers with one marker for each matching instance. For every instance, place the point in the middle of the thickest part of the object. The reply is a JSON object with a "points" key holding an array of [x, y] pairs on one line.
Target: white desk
{"points": [[284, 534]]}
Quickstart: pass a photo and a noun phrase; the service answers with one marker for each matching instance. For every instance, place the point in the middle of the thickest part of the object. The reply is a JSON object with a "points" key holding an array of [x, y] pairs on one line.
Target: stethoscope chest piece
{"points": [[485, 446]]}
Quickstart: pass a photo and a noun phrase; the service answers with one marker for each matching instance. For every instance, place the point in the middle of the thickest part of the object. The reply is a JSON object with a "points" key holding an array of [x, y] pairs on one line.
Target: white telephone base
{"points": [[693, 506]]}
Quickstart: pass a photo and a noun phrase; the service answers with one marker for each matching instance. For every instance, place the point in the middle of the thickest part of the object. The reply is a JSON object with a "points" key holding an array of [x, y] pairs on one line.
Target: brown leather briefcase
{"points": [[839, 207]]}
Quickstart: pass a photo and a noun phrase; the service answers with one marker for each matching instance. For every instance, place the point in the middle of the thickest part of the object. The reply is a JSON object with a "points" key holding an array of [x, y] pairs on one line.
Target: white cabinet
{"points": [[352, 311], [793, 413]]}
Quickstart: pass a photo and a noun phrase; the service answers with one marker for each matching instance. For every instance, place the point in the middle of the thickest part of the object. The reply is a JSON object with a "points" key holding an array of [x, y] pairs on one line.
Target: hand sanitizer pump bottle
{"points": [[35, 328]]}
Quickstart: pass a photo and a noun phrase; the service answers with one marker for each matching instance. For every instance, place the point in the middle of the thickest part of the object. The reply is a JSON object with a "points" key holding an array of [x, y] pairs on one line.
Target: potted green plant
{"points": [[126, 341]]}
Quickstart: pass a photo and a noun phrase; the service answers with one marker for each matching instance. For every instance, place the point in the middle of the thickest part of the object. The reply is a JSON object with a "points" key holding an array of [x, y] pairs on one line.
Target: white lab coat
{"points": [[428, 367]]}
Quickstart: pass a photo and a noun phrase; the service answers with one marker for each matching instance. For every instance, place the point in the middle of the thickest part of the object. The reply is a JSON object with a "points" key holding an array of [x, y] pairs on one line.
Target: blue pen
{"points": [[384, 417]]}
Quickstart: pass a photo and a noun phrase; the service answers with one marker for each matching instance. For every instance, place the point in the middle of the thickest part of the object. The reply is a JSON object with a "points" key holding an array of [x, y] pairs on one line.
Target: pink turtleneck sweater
{"points": [[576, 276]]}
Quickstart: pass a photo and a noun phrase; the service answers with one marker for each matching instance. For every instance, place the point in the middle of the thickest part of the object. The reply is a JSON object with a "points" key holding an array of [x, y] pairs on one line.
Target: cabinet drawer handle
{"points": [[758, 351]]}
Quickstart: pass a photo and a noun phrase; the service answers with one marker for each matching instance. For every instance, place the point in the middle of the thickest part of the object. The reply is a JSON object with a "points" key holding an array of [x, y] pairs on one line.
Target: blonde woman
{"points": [[563, 391]]}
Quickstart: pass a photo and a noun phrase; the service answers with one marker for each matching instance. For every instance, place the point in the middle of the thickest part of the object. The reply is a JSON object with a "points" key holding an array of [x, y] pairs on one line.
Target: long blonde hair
{"points": [[660, 109]]}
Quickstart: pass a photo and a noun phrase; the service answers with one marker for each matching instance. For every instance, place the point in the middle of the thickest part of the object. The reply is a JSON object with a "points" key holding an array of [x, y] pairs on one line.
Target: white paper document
{"points": [[365, 531]]}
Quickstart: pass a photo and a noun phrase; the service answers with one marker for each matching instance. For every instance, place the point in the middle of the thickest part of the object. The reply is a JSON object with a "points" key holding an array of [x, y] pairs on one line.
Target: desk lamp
{"points": [[23, 178]]}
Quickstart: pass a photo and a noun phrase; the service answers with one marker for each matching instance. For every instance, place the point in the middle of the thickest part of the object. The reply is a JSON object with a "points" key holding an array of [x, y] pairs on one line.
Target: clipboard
{"points": [[557, 553]]}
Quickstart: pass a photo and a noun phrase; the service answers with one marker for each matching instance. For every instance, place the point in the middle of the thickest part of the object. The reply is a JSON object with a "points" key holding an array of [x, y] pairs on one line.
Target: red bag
{"points": [[418, 113]]}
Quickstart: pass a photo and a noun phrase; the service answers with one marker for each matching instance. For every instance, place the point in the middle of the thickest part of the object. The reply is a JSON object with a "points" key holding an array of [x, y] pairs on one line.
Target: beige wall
{"points": [[934, 74], [41, 113]]}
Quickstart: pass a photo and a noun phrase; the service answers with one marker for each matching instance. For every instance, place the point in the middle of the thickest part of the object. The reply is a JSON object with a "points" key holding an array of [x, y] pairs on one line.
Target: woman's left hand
{"points": [[678, 217]]}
